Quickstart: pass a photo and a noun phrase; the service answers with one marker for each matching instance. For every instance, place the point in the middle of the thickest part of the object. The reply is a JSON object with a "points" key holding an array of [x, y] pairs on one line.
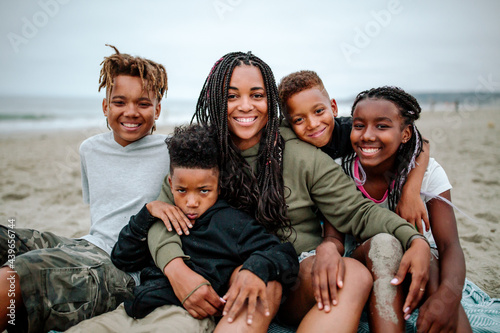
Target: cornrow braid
{"points": [[261, 196], [408, 152], [152, 74]]}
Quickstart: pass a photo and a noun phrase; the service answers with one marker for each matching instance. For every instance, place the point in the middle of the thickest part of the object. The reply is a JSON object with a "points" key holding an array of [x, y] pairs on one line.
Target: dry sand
{"points": [[40, 183]]}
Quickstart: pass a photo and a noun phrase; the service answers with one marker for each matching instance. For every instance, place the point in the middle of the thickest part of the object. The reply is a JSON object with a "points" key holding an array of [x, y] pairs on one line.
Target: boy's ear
{"points": [[157, 110], [105, 107], [170, 183], [334, 107]]}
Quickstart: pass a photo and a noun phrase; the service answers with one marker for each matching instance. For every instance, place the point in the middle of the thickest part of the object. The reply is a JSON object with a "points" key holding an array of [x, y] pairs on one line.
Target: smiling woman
{"points": [[246, 106]]}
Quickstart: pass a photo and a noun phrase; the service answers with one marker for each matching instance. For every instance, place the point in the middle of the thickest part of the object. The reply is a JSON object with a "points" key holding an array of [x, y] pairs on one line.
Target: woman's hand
{"points": [[327, 274], [204, 301], [246, 286], [170, 215]]}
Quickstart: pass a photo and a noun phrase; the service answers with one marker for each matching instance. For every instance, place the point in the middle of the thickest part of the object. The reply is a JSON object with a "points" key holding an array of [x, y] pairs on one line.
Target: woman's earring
{"points": [[107, 124]]}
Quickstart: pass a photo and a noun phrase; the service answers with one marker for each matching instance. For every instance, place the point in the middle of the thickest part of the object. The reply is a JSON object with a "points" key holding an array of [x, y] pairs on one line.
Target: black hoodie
{"points": [[222, 239]]}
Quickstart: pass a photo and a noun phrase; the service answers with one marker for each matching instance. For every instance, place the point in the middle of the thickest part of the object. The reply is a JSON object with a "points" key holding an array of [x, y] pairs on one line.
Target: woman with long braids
{"points": [[281, 181], [384, 121]]}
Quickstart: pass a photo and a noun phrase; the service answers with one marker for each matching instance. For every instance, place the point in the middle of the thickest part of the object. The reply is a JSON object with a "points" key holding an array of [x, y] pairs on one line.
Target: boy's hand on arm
{"points": [[328, 268], [410, 206], [170, 215], [416, 261], [246, 286], [204, 301]]}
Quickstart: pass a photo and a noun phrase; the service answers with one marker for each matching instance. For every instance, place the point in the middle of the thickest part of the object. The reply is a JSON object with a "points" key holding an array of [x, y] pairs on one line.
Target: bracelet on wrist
{"points": [[412, 238], [206, 283]]}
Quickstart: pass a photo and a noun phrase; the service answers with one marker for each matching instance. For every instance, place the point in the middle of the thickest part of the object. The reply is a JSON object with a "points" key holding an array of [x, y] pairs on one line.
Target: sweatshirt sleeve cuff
{"points": [[259, 265], [404, 233], [167, 253], [142, 221]]}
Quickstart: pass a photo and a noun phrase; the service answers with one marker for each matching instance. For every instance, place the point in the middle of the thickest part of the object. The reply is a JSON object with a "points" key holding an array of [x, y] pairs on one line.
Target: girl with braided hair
{"points": [[386, 143], [268, 172]]}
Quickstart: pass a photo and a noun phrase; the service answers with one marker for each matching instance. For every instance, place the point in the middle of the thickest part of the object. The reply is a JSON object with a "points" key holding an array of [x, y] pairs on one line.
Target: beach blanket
{"points": [[482, 310]]}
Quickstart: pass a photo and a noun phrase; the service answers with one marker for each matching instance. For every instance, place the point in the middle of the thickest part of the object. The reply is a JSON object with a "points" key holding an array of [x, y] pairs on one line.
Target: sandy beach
{"points": [[40, 184]]}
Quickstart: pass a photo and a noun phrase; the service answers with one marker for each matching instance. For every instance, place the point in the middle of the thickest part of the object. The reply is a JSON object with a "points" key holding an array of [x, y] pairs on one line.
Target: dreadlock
{"points": [[408, 152], [261, 196], [152, 74]]}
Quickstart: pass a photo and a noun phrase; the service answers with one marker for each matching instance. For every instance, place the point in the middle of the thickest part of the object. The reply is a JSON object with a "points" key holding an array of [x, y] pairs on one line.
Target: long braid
{"points": [[261, 196], [407, 153]]}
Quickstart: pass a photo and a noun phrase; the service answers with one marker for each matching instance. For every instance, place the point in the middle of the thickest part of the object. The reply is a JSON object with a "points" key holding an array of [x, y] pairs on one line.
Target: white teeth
{"points": [[245, 120], [130, 125], [369, 150]]}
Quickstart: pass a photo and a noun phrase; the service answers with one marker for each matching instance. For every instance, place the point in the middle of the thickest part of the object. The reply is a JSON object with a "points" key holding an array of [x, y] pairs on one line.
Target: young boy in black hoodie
{"points": [[221, 239]]}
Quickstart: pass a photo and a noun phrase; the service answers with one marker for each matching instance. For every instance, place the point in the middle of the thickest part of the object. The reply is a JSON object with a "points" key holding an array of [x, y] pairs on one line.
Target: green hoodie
{"points": [[311, 180]]}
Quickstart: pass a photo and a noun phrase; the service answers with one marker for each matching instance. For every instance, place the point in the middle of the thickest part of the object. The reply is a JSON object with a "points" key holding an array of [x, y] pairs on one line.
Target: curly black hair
{"points": [[193, 147]]}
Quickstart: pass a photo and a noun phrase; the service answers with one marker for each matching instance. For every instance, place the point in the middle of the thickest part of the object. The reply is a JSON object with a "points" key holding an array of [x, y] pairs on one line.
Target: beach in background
{"points": [[40, 184]]}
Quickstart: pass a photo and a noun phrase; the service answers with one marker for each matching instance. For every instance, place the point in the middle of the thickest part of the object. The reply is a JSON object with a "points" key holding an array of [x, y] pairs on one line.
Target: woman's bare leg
{"points": [[344, 316]]}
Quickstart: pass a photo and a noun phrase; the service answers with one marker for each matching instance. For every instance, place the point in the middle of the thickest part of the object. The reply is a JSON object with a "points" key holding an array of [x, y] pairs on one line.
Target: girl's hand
{"points": [[170, 215], [327, 274], [415, 261], [412, 209], [246, 286], [201, 303], [410, 206], [439, 313]]}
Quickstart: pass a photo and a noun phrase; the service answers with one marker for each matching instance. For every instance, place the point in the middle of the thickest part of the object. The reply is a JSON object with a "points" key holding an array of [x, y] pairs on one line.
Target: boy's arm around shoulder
{"points": [[410, 206], [131, 252]]}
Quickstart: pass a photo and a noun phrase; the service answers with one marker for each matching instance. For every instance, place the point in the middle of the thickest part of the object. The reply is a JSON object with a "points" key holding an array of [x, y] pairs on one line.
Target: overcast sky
{"points": [[54, 47]]}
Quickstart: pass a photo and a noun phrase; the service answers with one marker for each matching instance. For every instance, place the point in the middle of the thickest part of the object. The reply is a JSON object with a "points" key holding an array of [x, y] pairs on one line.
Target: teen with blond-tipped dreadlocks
{"points": [[62, 281], [239, 98]]}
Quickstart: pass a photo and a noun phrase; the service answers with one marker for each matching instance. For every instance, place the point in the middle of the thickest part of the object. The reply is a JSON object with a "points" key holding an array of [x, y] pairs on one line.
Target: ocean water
{"points": [[19, 114]]}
